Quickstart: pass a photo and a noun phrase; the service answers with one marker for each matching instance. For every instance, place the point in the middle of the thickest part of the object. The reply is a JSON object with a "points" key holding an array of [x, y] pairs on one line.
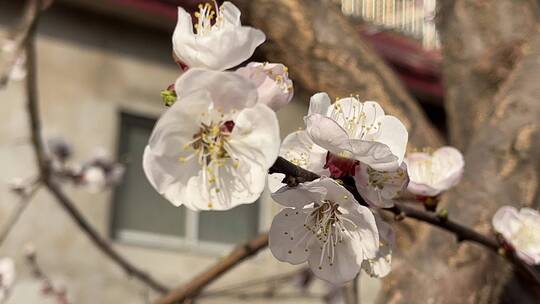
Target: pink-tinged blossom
{"points": [[432, 173], [272, 81], [521, 229]]}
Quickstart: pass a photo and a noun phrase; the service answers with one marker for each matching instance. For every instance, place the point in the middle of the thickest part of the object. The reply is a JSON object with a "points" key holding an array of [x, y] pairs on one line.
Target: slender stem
{"points": [[20, 37], [14, 218], [197, 284], [43, 164]]}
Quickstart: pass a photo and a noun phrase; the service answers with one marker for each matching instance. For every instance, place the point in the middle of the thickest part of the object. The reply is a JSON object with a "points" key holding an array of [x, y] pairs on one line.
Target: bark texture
{"points": [[324, 52], [481, 43], [502, 168]]}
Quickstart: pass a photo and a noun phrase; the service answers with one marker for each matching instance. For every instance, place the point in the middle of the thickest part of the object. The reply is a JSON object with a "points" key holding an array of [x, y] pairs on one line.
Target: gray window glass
{"points": [[137, 206]]}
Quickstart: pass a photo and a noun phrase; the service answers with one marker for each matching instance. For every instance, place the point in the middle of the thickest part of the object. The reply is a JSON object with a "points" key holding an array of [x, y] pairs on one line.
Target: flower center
{"points": [[211, 148], [355, 119], [326, 222], [207, 19], [210, 142], [340, 166]]}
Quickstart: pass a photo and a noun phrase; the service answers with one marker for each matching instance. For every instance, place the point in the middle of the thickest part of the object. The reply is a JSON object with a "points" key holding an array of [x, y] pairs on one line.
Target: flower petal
{"points": [[506, 221], [256, 135], [381, 265], [300, 149], [227, 90], [450, 167], [288, 238], [169, 176], [178, 124], [393, 134], [342, 269], [376, 155], [326, 133], [365, 235], [299, 196], [319, 104], [379, 188]]}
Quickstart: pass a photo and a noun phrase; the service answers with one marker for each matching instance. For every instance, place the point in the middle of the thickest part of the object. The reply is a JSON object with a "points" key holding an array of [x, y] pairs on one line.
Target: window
{"points": [[141, 216]]}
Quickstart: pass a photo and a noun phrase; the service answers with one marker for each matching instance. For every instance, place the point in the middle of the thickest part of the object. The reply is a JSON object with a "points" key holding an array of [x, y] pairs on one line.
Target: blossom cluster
{"points": [[98, 173], [213, 147]]}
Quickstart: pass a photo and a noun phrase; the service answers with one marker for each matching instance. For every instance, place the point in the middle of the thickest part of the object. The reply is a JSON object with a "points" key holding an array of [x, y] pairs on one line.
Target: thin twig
{"points": [[231, 289], [43, 164], [48, 287], [25, 200], [20, 37], [196, 285]]}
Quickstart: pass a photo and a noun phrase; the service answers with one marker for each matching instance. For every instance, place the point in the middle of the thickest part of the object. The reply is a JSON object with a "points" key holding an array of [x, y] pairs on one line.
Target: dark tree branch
{"points": [[43, 164], [197, 284]]}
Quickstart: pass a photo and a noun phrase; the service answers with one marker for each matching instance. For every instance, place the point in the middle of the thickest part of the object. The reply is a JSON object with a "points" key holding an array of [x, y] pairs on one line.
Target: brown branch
{"points": [[274, 281], [197, 284], [43, 164]]}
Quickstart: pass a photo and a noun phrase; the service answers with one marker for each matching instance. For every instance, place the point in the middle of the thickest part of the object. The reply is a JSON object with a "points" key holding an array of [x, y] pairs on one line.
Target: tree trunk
{"points": [[502, 168], [324, 52], [481, 43]]}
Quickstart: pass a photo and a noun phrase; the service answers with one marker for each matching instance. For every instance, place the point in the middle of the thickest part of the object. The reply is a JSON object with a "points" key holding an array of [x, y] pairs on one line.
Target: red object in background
{"points": [[417, 68]]}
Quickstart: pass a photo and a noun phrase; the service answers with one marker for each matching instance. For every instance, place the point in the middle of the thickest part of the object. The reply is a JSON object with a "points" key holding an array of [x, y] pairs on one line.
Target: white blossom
{"points": [[380, 188], [7, 277], [94, 178], [521, 230], [432, 173], [18, 70], [212, 149], [272, 81], [381, 265], [219, 42], [324, 225], [356, 130], [299, 149]]}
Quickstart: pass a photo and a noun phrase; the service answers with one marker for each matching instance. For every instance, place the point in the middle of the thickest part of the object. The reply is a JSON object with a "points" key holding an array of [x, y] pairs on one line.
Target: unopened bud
{"points": [[168, 96]]}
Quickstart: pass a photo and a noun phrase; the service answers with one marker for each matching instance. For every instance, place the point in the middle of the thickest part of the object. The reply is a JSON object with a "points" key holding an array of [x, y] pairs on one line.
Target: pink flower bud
{"points": [[274, 87]]}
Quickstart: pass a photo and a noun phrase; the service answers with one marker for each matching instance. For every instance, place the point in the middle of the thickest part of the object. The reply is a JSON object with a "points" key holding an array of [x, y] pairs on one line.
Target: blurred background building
{"points": [[101, 66]]}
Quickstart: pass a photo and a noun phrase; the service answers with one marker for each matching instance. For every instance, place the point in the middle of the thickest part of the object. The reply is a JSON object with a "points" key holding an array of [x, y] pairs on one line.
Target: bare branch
{"points": [[197, 284], [44, 169], [25, 200]]}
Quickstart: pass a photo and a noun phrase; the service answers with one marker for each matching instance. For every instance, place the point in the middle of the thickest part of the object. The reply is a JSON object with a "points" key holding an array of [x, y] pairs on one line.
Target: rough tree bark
{"points": [[324, 52], [481, 43], [502, 168]]}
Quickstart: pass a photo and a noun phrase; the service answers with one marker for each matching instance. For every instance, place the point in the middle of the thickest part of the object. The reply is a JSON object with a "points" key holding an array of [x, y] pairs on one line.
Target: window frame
{"points": [[187, 243]]}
